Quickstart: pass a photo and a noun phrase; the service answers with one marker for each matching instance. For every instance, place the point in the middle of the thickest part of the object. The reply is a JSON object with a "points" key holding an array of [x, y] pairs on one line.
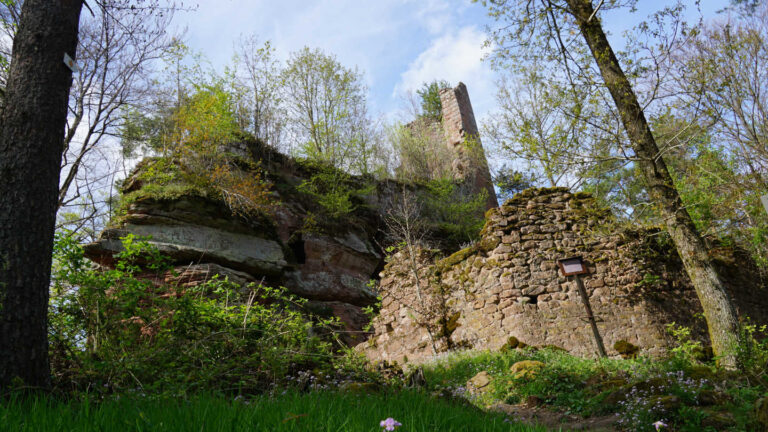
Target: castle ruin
{"points": [[463, 139]]}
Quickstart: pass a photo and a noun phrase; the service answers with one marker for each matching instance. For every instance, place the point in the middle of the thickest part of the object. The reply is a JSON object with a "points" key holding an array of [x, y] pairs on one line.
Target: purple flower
{"points": [[658, 425], [389, 424]]}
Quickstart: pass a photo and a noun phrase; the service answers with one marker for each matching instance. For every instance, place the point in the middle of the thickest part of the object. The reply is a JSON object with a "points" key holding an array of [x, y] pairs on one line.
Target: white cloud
{"points": [[454, 57], [434, 15]]}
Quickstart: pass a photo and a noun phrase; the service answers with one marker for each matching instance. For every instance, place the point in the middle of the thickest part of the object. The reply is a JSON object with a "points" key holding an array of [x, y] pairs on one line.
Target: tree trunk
{"points": [[31, 139], [721, 317]]}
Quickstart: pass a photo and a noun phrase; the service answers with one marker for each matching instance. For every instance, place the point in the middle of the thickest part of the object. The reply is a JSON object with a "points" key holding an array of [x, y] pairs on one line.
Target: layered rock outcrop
{"points": [[329, 264], [508, 285]]}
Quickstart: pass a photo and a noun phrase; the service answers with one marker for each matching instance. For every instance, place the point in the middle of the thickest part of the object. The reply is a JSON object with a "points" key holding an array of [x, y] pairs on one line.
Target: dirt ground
{"points": [[535, 415]]}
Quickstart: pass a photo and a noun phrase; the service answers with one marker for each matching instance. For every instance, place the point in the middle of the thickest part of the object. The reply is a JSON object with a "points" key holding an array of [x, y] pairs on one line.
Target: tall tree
{"points": [[326, 103], [31, 142], [549, 22], [117, 49], [257, 73], [720, 84]]}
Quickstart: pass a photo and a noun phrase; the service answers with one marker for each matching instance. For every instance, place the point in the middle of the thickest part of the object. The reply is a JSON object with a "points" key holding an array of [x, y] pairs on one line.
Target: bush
{"points": [[334, 190], [456, 212], [127, 328]]}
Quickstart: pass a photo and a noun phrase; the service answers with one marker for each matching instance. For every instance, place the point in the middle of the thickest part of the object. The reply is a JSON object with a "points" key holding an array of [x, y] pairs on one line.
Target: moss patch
{"points": [[626, 349]]}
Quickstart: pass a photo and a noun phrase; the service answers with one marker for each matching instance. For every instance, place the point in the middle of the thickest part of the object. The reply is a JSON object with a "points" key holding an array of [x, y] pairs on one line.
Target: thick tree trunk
{"points": [[31, 140], [721, 317]]}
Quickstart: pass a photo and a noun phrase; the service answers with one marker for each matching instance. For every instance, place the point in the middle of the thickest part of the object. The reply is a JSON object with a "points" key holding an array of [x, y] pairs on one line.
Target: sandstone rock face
{"points": [[198, 243], [204, 239], [195, 274], [336, 268], [509, 285]]}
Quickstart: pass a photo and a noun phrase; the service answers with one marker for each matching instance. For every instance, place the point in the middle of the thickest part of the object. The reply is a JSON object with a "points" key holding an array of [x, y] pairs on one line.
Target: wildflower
{"points": [[659, 424], [389, 424]]}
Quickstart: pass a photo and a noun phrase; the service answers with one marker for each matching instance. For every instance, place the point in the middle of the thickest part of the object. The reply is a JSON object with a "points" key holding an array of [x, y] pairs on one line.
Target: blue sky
{"points": [[398, 44]]}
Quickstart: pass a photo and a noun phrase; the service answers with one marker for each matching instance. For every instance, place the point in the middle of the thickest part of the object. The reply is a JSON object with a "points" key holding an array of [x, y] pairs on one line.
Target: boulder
{"points": [[526, 369], [479, 383], [335, 269]]}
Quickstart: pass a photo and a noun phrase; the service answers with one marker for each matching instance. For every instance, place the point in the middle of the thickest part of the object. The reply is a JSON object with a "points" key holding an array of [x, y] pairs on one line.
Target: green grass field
{"points": [[319, 411]]}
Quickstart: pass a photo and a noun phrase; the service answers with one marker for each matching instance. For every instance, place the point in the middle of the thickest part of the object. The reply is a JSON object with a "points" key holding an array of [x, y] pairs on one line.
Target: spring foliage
{"points": [[137, 327]]}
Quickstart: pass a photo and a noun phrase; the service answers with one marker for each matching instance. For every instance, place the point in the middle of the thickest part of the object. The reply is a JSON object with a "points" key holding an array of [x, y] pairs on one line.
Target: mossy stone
{"points": [[526, 369], [513, 343], [626, 349], [488, 244], [453, 322], [457, 257], [479, 383]]}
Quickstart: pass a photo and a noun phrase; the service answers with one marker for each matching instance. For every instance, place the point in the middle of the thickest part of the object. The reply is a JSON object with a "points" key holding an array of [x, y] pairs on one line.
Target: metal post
{"points": [[591, 317]]}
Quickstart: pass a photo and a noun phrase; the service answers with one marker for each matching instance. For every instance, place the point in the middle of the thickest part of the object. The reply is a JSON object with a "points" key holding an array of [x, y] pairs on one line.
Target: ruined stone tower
{"points": [[463, 138]]}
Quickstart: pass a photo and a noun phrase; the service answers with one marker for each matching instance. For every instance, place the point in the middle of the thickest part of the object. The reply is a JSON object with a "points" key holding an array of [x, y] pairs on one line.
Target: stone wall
{"points": [[462, 136], [508, 284]]}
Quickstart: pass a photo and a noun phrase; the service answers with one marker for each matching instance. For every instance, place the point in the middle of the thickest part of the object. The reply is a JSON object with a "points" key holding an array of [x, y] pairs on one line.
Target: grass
{"points": [[690, 396], [316, 411], [560, 384]]}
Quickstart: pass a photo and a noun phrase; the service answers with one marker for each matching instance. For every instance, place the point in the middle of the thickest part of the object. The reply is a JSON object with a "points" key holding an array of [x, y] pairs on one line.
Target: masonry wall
{"points": [[508, 284], [463, 137]]}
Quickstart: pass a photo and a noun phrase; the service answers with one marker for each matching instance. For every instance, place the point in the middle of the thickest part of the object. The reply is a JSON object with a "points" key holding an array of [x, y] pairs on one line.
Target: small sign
{"points": [[764, 199], [572, 266], [71, 63]]}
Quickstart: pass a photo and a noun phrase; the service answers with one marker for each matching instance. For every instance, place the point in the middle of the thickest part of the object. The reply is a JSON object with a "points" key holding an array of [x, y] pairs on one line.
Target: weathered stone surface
{"points": [[195, 274], [479, 383], [195, 243], [522, 293]]}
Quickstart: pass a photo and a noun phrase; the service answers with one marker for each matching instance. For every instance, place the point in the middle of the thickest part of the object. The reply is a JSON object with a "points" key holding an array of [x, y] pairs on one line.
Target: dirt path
{"points": [[533, 415]]}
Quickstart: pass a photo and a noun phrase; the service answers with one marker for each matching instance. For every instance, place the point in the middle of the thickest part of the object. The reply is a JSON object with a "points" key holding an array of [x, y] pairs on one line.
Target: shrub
{"points": [[127, 328], [752, 352], [334, 190], [454, 210]]}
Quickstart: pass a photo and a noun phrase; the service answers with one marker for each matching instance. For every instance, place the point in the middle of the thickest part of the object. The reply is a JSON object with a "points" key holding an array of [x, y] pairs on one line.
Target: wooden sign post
{"points": [[575, 267]]}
